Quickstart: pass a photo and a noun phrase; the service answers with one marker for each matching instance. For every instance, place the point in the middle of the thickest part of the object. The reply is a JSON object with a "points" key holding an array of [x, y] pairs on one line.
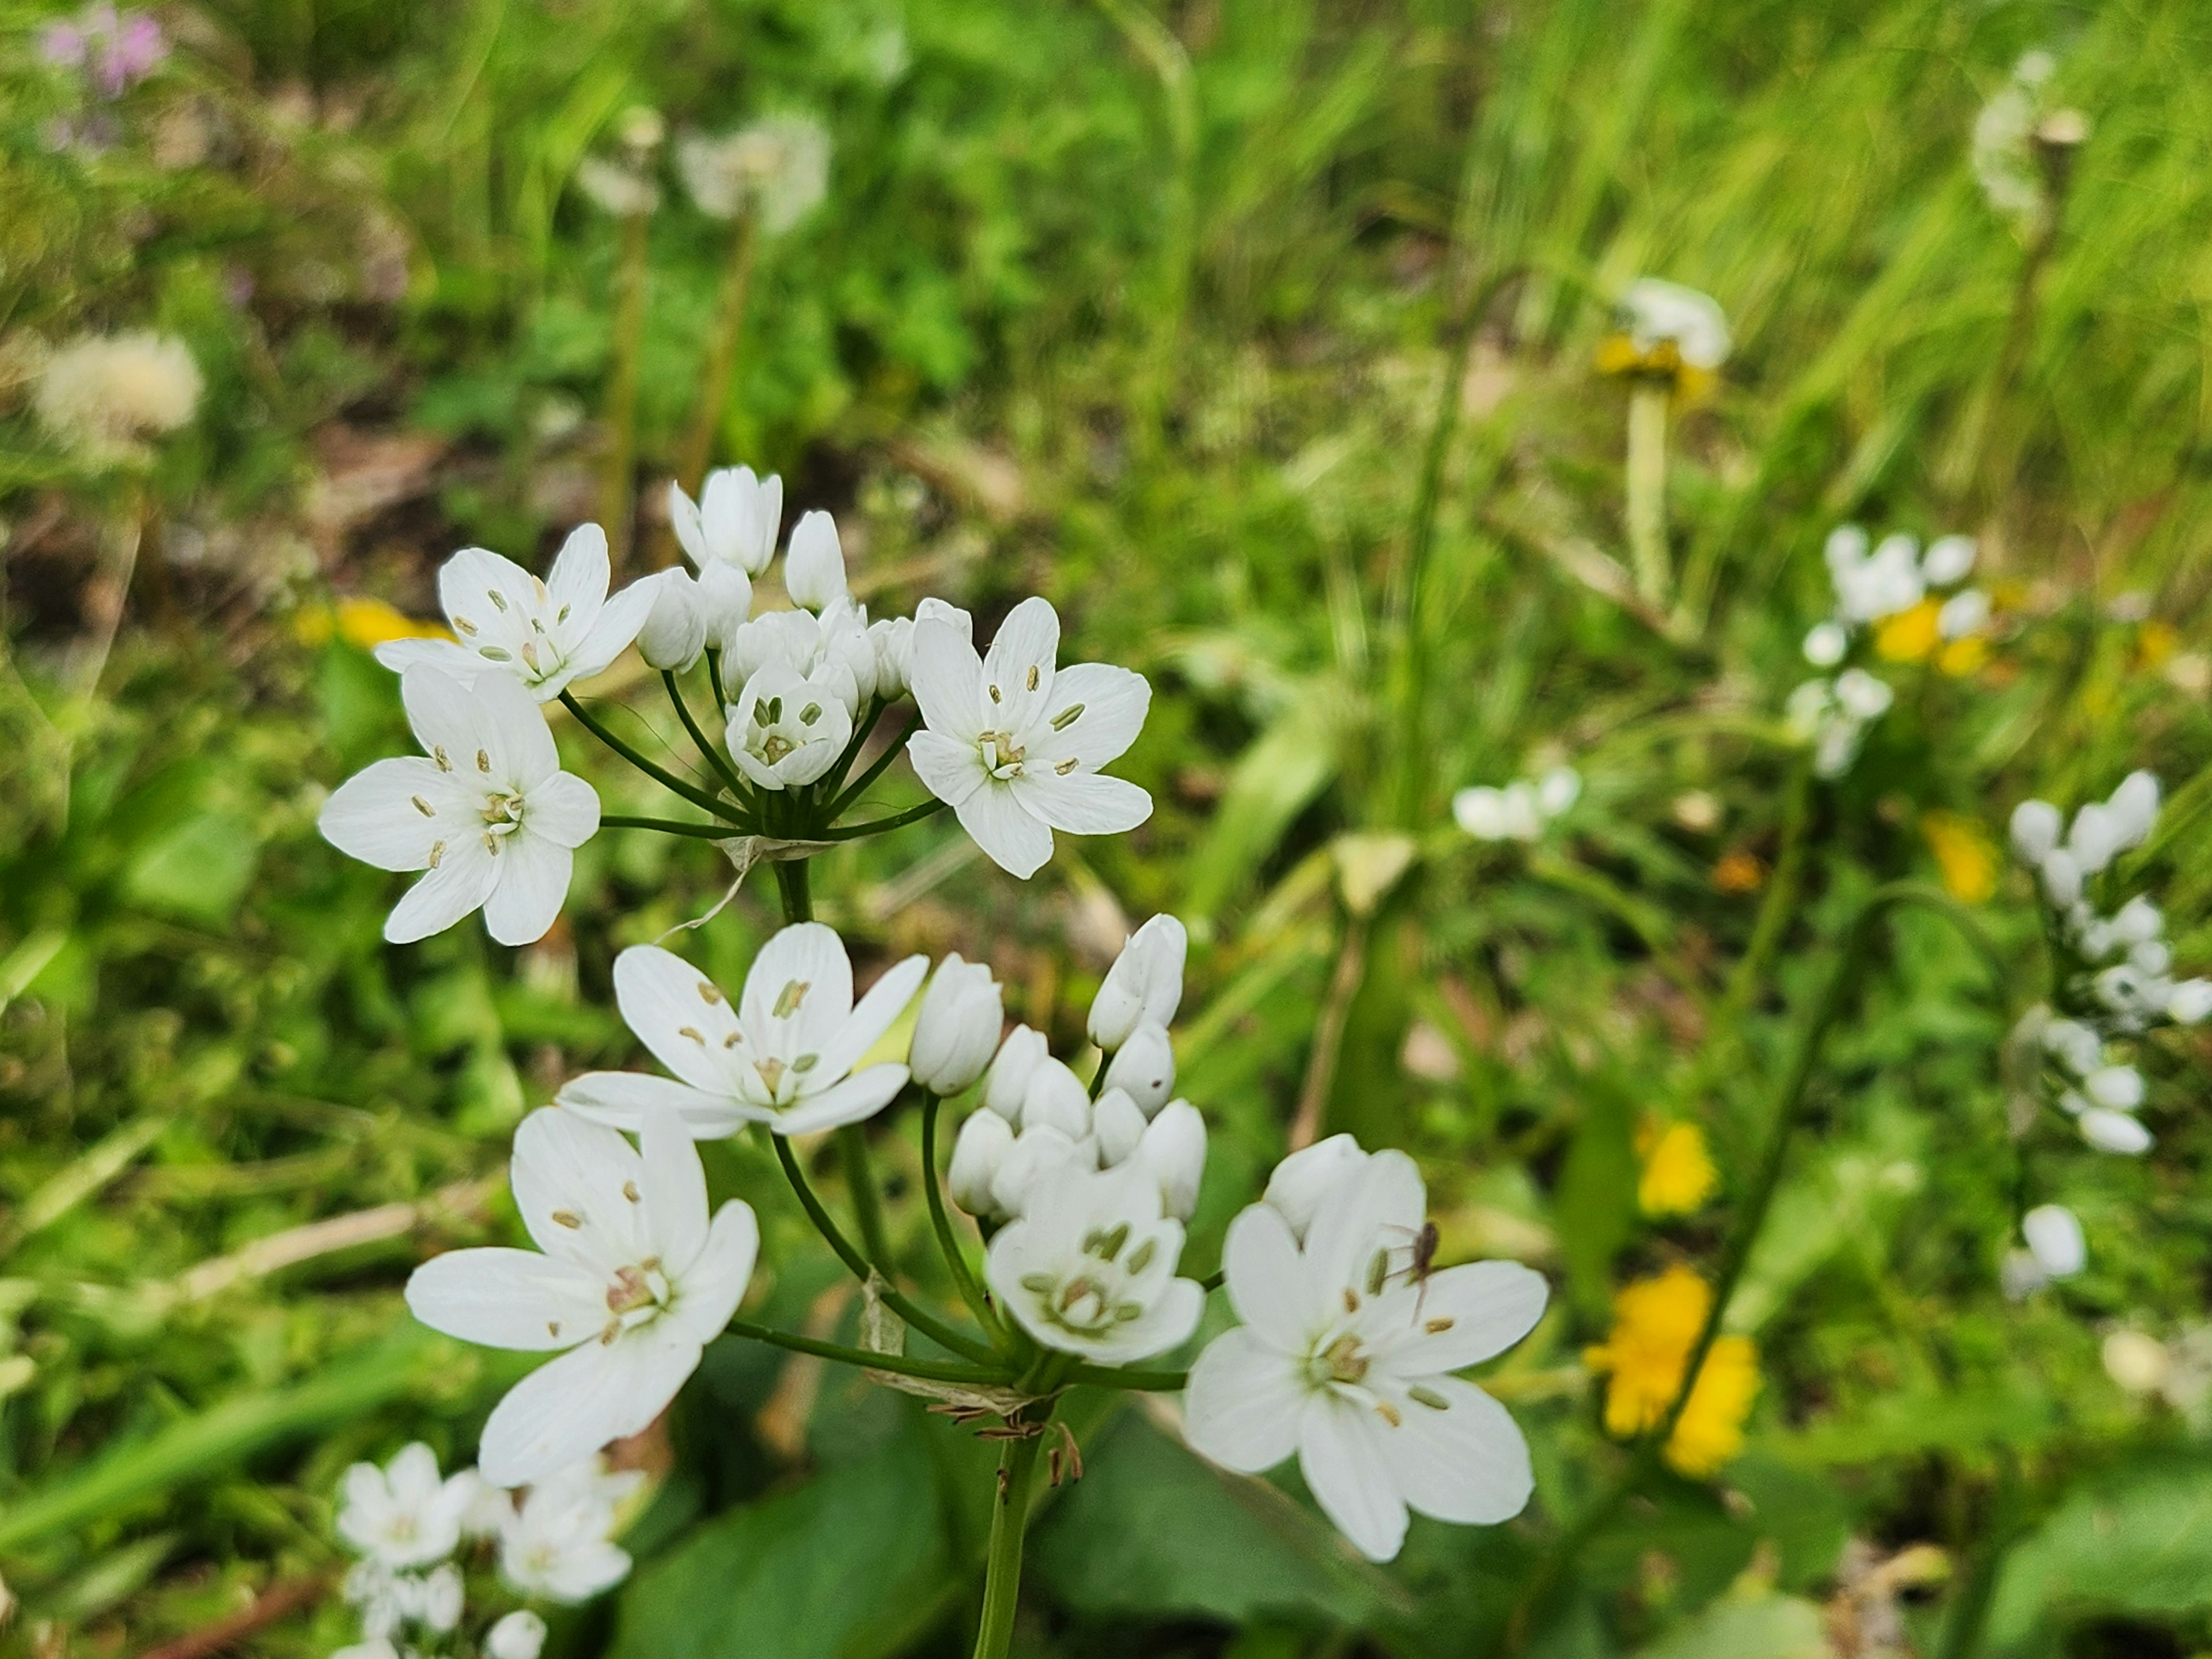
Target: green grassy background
{"points": [[1151, 311]]}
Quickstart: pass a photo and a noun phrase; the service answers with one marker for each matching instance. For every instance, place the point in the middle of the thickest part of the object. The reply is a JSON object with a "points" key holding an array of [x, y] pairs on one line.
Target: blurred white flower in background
{"points": [[1522, 811], [105, 395], [405, 1514], [1656, 313], [777, 167]]}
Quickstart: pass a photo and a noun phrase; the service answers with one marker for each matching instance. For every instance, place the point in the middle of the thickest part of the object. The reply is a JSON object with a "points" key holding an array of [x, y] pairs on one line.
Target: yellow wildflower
{"points": [[363, 623], [1739, 871], [2156, 642], [1678, 1172], [1963, 852], [1909, 636], [1961, 657], [1656, 1324]]}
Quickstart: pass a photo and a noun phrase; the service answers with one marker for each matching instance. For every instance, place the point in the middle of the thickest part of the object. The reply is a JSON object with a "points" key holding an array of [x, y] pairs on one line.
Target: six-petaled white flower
{"points": [[543, 633], [787, 730], [783, 1054], [405, 1514], [1090, 1269], [1014, 744], [486, 810], [558, 1544], [629, 1277], [1346, 1356]]}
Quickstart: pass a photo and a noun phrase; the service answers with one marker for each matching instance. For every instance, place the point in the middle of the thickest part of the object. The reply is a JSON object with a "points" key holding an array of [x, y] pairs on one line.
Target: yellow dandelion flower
{"points": [[1656, 1324], [363, 623], [1963, 852], [1909, 636], [1678, 1172], [1962, 657]]}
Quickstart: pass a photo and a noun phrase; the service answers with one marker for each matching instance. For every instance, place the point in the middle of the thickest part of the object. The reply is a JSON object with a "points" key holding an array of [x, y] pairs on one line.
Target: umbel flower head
{"points": [[486, 810], [629, 1282], [1656, 1324], [1345, 1358], [105, 395], [1014, 744], [783, 1054], [544, 635], [1089, 1267]]}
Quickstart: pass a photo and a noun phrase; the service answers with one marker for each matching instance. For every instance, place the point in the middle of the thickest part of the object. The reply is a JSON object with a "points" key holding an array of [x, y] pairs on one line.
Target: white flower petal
{"points": [[563, 809], [1267, 1281], [373, 815], [1380, 1205], [1017, 841], [618, 625], [569, 1408], [1095, 713], [1466, 1463], [448, 657], [530, 881], [1484, 1308], [680, 1015], [459, 883], [1083, 803], [803, 971], [671, 1202], [568, 1175], [875, 1014], [582, 572], [850, 1102], [621, 1100], [1243, 1403], [487, 598], [506, 1298], [1340, 1455], [948, 680], [1018, 670], [951, 771], [715, 1282]]}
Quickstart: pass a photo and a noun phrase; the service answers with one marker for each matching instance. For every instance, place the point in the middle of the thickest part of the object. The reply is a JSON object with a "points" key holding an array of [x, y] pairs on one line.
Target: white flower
{"points": [[2138, 922], [1144, 1068], [2035, 830], [833, 648], [374, 1588], [1303, 1180], [1008, 1080], [1825, 645], [1948, 560], [518, 1635], [783, 1055], [1654, 310], [616, 188], [781, 166], [1862, 697], [1143, 984], [104, 395], [1013, 745], [1173, 1153], [814, 566], [2078, 1047], [1345, 1359], [957, 1031], [2098, 833], [1558, 790], [1118, 1126], [1037, 1155], [1872, 586], [892, 641], [1962, 614], [1491, 814], [1089, 1268], [2114, 1131], [736, 521], [543, 633], [1055, 1099], [559, 1543], [442, 1595], [2134, 804], [2062, 878], [405, 1514], [2119, 1087], [2054, 1237], [629, 1277], [786, 729], [2189, 1002], [984, 1141], [489, 813], [675, 631]]}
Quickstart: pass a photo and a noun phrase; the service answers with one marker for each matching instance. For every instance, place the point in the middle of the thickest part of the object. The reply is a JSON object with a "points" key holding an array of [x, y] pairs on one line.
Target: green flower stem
{"points": [[877, 826], [868, 1202], [666, 780], [791, 887], [707, 748], [955, 1259], [852, 791], [1647, 490], [1002, 1572], [714, 680], [1970, 1612], [668, 826], [897, 1364], [934, 1329]]}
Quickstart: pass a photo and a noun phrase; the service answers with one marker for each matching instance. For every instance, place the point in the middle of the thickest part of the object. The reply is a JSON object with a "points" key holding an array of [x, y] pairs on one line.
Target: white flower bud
{"points": [[1305, 1177], [2138, 922], [1963, 613], [1837, 748], [1056, 1099], [983, 1145], [814, 565], [675, 631], [1144, 1068], [1558, 790], [2075, 1046], [843, 639], [946, 611], [2120, 1087], [1846, 546], [1518, 806], [1144, 982], [2055, 1236], [2151, 959], [2098, 833], [1480, 812], [2134, 805], [726, 600], [1863, 698], [957, 1031], [2021, 1275], [2035, 827], [1807, 707], [2114, 1131], [1948, 560], [1825, 645], [2072, 1103], [1019, 1055], [441, 1598], [1036, 1154], [2189, 1002], [1174, 1151], [2120, 989], [2138, 1364], [2062, 878], [520, 1635], [1119, 1125], [892, 641], [2094, 939]]}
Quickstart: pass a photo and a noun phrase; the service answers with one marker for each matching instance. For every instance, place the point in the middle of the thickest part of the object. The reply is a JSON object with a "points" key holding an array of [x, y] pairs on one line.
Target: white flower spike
{"points": [[629, 1277], [1347, 1361], [782, 1055], [1090, 1269], [403, 1515], [486, 810], [1014, 744], [543, 634]]}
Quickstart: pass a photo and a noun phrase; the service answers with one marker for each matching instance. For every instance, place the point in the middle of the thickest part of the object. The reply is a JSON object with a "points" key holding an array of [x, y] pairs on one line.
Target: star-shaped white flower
{"points": [[633, 1282], [1345, 1359], [558, 1542], [405, 1514], [1089, 1267], [486, 810], [1013, 745], [783, 1055], [542, 634], [786, 729]]}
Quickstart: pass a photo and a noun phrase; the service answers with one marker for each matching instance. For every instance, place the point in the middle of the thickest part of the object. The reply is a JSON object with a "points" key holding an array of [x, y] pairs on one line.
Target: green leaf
{"points": [[1290, 763], [199, 870], [1765, 1626], [1596, 1206], [851, 1565], [2140, 1545]]}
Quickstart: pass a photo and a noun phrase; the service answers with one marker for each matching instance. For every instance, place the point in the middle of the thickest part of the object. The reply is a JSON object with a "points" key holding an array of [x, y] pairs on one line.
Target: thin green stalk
{"points": [[1970, 1612], [707, 748], [1553, 1565], [934, 1329], [792, 886], [1647, 491], [955, 1259], [666, 779], [898, 1363], [854, 790], [714, 679], [868, 1202], [877, 826], [668, 826], [1002, 1572]]}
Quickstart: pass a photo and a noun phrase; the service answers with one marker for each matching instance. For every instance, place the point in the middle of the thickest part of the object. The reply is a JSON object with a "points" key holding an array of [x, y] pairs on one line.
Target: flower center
{"points": [[1341, 1363], [1096, 1296], [636, 1296], [1002, 756], [502, 812]]}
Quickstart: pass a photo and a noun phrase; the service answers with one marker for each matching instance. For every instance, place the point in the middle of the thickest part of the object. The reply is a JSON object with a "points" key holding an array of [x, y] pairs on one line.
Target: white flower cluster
{"points": [[1522, 811], [2116, 980], [1874, 584], [407, 1524], [1348, 1348]]}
